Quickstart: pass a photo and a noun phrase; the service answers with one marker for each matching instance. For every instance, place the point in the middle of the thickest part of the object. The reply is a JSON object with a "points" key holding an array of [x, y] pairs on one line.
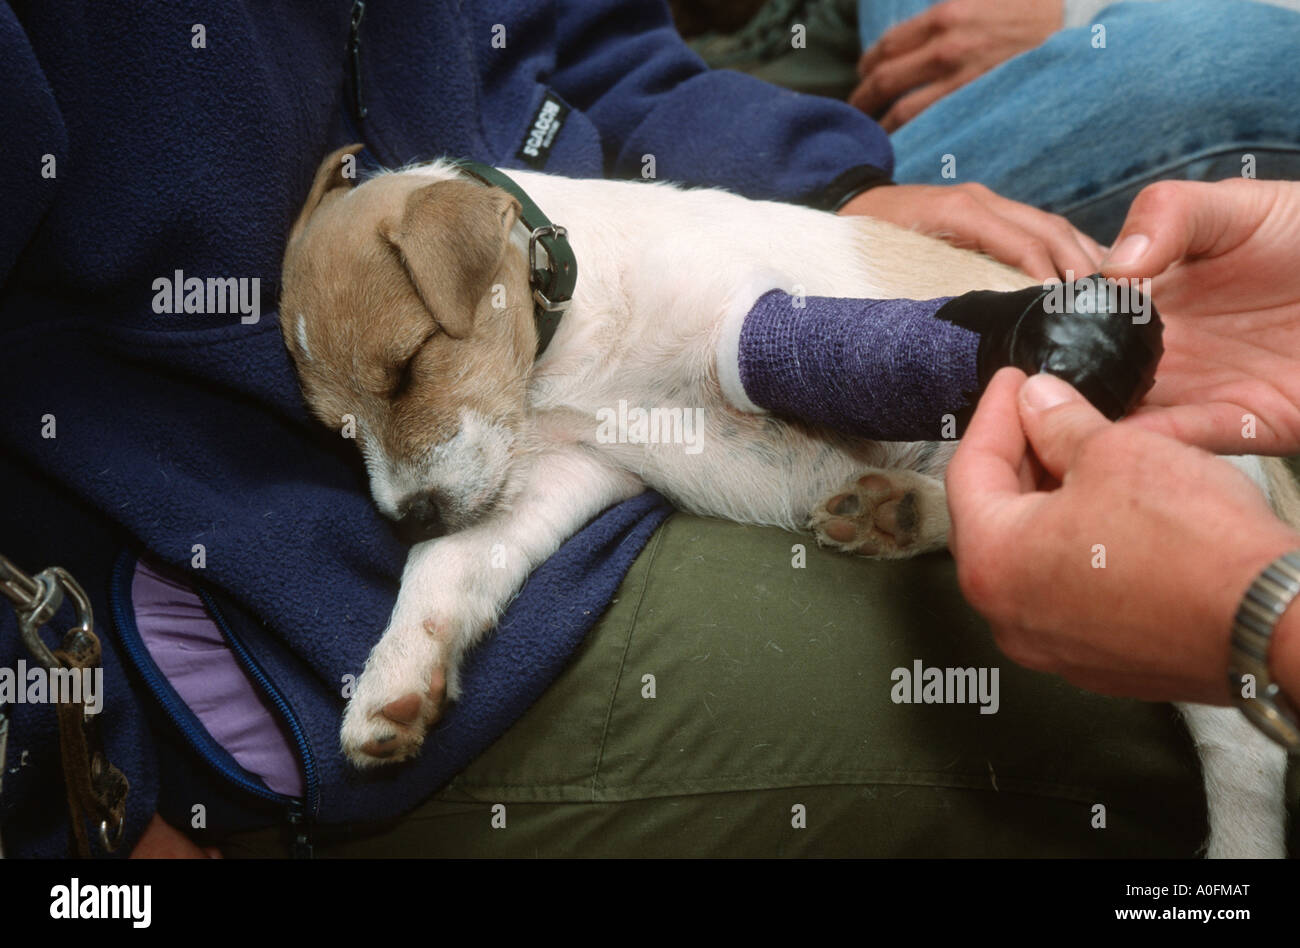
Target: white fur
{"points": [[734, 312], [1245, 775], [645, 324], [302, 337], [467, 470]]}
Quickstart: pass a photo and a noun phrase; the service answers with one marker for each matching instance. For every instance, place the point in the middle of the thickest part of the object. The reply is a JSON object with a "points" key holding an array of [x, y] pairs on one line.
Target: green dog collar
{"points": [[553, 279]]}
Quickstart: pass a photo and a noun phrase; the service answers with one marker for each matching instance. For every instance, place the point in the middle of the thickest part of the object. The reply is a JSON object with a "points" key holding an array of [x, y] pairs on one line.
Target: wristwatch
{"points": [[1252, 631]]}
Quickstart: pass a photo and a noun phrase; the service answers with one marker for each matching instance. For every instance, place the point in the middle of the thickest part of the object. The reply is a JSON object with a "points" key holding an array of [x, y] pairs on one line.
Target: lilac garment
{"points": [[882, 369], [189, 649]]}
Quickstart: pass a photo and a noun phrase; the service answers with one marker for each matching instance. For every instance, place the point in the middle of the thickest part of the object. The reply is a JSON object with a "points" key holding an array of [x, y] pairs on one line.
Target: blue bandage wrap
{"points": [[913, 370], [882, 369]]}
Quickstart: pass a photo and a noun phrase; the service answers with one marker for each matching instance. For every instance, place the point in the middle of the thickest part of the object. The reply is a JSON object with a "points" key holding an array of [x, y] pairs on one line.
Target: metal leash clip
{"points": [[96, 789], [36, 599]]}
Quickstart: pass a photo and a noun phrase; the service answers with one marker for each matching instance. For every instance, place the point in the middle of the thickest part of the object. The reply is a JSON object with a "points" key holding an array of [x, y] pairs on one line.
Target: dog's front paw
{"points": [[884, 513], [399, 696]]}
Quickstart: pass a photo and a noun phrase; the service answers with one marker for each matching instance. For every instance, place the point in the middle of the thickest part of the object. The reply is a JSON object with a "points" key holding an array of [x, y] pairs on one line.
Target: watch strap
{"points": [[1269, 596]]}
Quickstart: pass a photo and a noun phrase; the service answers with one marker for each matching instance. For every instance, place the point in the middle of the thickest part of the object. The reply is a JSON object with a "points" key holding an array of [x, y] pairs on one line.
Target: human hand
{"points": [[1227, 283], [161, 841], [970, 215], [919, 61], [1181, 535]]}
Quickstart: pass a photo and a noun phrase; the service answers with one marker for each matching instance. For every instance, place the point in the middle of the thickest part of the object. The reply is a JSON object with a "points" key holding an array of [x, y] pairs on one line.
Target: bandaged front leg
{"points": [[913, 370]]}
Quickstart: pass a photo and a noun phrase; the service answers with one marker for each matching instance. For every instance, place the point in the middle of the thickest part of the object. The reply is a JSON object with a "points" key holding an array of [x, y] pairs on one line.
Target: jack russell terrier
{"points": [[408, 305]]}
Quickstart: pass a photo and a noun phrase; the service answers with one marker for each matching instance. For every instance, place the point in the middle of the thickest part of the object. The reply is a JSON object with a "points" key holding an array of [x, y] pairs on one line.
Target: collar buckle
{"points": [[552, 284], [546, 232]]}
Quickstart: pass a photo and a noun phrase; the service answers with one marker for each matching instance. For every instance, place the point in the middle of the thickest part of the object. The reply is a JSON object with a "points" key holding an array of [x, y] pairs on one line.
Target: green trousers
{"points": [[744, 696]]}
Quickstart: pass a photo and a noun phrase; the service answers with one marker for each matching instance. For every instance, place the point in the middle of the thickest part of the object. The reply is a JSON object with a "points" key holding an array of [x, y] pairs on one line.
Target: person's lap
{"points": [[772, 684], [772, 688]]}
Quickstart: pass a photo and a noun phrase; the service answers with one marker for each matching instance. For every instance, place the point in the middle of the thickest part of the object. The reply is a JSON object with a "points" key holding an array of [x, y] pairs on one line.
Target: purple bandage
{"points": [[189, 649], [881, 369]]}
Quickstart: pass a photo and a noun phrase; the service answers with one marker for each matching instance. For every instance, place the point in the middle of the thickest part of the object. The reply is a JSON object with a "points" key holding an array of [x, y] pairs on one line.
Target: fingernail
{"points": [[1043, 391], [1128, 251]]}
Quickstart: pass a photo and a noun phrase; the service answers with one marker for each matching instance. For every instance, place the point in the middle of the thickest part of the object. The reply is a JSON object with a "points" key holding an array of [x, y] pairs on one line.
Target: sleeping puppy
{"points": [[407, 309]]}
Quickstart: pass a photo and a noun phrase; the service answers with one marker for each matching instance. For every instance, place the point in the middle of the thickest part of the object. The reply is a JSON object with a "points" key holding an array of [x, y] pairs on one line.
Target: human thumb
{"points": [[1171, 220], [1057, 420]]}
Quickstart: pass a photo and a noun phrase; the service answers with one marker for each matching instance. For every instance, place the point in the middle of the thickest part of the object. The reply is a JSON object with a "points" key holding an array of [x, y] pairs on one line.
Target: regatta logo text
{"points": [[545, 127], [213, 296]]}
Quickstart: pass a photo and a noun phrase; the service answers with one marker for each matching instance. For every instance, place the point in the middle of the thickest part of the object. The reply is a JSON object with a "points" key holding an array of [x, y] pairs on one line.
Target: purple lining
{"points": [[189, 649]]}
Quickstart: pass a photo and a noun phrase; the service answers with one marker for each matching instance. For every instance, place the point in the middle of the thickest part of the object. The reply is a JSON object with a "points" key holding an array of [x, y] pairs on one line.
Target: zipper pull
{"points": [[300, 846], [354, 52]]}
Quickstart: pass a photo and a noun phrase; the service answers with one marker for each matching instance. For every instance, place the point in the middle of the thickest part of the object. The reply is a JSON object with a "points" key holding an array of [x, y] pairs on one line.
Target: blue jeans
{"points": [[1183, 89]]}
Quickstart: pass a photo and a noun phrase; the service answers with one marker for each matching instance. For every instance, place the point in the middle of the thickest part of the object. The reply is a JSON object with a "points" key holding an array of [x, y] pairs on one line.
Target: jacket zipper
{"points": [[354, 56], [311, 779], [298, 816]]}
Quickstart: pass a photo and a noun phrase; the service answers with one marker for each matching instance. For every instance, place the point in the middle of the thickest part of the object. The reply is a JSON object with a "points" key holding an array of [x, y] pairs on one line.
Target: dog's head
{"points": [[405, 307]]}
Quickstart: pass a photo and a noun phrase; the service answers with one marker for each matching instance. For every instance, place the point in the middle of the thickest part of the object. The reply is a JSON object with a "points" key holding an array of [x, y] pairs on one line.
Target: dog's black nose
{"points": [[420, 518]]}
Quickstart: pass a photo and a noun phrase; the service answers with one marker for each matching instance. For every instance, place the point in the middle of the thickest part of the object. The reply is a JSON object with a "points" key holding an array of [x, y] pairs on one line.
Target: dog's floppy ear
{"points": [[451, 239], [336, 171]]}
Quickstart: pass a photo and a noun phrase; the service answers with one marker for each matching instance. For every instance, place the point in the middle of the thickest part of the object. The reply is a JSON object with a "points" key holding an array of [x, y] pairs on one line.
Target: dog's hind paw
{"points": [[884, 513]]}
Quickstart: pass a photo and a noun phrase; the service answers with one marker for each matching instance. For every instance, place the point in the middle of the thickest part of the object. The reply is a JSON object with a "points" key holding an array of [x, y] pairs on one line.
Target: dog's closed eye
{"points": [[405, 370]]}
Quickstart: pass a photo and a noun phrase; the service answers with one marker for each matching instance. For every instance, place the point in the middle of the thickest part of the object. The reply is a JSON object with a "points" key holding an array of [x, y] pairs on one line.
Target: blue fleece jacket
{"points": [[145, 138]]}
